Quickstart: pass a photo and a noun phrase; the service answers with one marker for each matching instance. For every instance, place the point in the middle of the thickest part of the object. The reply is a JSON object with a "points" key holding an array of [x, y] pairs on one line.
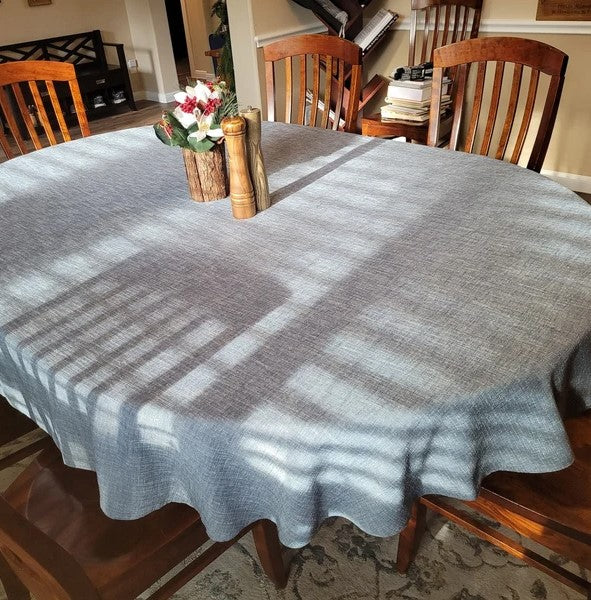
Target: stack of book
{"points": [[411, 100]]}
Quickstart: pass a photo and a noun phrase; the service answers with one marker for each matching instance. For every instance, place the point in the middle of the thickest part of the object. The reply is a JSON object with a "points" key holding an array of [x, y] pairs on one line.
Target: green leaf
{"points": [[203, 145], [162, 135]]}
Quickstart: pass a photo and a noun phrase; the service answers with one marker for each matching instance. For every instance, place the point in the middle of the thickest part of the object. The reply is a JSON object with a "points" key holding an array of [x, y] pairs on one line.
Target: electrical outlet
{"points": [[132, 63]]}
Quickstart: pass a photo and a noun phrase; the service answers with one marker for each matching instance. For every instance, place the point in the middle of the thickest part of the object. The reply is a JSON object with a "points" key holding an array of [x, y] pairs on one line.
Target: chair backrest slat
{"points": [[302, 97], [434, 39], [327, 92], [414, 16], [79, 107], [476, 107], [425, 38], [42, 112], [546, 124], [270, 85], [315, 88], [494, 108], [288, 88], [511, 110], [58, 112], [22, 105], [465, 25], [447, 10], [341, 62], [458, 100], [12, 123], [537, 56], [456, 22], [4, 144], [31, 72], [449, 20], [340, 90], [527, 115]]}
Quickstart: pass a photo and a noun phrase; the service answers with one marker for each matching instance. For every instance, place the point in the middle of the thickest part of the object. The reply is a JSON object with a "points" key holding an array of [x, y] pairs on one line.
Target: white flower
{"points": [[205, 128], [185, 119], [200, 92], [180, 97]]}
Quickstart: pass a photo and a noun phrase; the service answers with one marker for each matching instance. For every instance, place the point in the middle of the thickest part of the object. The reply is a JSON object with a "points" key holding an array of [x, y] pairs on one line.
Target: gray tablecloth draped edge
{"points": [[373, 345]]}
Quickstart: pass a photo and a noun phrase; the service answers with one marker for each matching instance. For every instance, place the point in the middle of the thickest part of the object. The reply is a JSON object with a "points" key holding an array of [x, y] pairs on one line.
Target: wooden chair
{"points": [[336, 56], [434, 23], [553, 509], [42, 98], [55, 538], [538, 57], [13, 426]]}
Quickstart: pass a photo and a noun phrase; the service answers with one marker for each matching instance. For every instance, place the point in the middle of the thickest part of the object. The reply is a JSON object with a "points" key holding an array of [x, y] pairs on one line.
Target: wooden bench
{"points": [[86, 51]]}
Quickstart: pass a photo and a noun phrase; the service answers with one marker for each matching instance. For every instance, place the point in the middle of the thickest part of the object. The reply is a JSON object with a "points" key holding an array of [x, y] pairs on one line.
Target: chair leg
{"points": [[410, 537], [269, 550], [13, 588]]}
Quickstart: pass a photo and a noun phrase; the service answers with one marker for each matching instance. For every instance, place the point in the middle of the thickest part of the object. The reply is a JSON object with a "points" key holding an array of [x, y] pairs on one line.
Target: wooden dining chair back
{"points": [[435, 23], [316, 70], [55, 542], [29, 104], [14, 426], [551, 509], [484, 136]]}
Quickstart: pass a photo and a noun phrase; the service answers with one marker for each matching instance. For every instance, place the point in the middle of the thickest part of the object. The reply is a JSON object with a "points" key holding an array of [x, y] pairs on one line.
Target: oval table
{"points": [[402, 321]]}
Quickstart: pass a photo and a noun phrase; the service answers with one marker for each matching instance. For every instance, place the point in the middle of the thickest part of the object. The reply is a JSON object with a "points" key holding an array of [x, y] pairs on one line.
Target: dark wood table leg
{"points": [[410, 537], [269, 550]]}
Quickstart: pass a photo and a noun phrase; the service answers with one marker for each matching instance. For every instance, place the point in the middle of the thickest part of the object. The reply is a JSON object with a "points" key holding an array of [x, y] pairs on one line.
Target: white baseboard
{"points": [[576, 183], [153, 96]]}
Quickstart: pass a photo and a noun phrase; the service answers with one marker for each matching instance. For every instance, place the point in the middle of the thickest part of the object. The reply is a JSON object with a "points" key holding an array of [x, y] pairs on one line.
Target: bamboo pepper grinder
{"points": [[258, 174], [241, 192]]}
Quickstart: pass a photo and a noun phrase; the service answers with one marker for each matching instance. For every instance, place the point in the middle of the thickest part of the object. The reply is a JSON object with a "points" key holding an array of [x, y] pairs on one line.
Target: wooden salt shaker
{"points": [[241, 192], [258, 174]]}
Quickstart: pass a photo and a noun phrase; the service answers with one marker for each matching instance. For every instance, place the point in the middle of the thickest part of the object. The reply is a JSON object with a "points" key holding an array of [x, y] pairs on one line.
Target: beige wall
{"points": [[155, 71], [198, 25], [570, 149], [20, 22]]}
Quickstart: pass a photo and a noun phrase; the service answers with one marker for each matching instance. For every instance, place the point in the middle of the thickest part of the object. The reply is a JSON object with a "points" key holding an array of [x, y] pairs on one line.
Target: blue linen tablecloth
{"points": [[402, 321]]}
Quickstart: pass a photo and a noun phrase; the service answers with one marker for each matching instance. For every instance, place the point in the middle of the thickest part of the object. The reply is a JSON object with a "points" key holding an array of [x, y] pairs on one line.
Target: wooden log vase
{"points": [[206, 173]]}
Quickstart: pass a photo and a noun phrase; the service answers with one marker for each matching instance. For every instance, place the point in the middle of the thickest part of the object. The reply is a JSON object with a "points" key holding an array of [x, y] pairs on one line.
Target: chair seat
{"points": [[563, 497], [374, 126], [64, 503]]}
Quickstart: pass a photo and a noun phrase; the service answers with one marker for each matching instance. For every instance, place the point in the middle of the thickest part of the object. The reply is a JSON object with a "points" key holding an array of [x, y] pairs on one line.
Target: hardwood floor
{"points": [[147, 114]]}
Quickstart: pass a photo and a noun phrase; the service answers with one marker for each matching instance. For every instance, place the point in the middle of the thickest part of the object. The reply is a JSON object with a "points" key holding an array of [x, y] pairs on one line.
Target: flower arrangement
{"points": [[194, 124]]}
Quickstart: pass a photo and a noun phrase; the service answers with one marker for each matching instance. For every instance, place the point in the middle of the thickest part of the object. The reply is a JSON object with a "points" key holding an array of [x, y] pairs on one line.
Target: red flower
{"points": [[211, 106], [189, 105]]}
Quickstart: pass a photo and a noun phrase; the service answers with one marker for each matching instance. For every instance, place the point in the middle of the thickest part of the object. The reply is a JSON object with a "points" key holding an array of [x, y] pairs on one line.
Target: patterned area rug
{"points": [[343, 563]]}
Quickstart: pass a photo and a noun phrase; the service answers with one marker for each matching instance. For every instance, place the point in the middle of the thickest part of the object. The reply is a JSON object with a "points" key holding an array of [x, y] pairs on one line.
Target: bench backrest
{"points": [[79, 48]]}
